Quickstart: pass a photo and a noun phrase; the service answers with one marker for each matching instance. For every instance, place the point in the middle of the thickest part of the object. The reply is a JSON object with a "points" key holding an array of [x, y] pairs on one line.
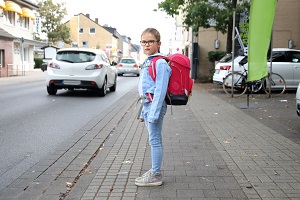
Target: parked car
{"points": [[128, 66], [285, 62], [298, 100], [223, 67], [81, 68]]}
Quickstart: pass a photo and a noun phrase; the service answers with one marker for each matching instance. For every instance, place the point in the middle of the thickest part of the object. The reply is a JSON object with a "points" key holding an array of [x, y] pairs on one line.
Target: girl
{"points": [[155, 107]]}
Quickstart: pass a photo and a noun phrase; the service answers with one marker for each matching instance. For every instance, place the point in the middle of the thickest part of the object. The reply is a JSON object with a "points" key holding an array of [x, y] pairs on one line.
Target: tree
{"points": [[51, 18], [206, 14]]}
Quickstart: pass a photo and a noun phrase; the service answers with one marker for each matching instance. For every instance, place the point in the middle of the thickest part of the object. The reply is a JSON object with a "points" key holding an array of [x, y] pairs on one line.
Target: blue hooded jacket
{"points": [[158, 88]]}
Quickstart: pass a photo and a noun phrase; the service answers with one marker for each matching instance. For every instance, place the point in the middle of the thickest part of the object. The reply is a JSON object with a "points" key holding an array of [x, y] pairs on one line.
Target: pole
{"points": [[271, 55], [233, 44], [22, 56]]}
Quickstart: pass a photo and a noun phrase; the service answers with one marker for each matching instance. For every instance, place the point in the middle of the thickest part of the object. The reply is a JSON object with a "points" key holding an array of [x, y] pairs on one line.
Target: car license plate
{"points": [[71, 82], [128, 70], [217, 71]]}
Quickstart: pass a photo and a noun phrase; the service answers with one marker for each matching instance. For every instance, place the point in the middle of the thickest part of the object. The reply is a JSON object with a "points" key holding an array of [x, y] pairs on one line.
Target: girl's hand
{"points": [[142, 120]]}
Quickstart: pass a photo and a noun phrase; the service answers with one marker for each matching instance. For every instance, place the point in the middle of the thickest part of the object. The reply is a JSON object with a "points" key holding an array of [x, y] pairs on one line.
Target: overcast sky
{"points": [[129, 17]]}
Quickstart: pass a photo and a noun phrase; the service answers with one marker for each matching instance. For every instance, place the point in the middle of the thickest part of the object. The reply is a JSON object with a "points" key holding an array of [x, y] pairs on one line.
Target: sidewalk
{"points": [[30, 76], [212, 150]]}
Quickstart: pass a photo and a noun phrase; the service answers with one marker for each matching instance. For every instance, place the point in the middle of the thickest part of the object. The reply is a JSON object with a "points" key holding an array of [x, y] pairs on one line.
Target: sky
{"points": [[129, 17]]}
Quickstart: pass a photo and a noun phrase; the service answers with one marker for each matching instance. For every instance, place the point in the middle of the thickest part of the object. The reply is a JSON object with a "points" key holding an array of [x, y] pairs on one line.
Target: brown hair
{"points": [[154, 32]]}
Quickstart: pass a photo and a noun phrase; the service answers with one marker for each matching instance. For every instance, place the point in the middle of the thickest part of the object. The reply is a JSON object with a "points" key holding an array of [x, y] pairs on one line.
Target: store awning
{"points": [[12, 6], [26, 12], [2, 4]]}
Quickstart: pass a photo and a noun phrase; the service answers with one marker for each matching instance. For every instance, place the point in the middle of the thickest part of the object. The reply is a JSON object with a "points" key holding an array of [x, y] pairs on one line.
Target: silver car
{"points": [[76, 68], [128, 66], [298, 100], [285, 62]]}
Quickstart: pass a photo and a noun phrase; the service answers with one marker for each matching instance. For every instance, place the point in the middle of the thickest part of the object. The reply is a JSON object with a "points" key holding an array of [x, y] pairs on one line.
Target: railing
{"points": [[15, 70]]}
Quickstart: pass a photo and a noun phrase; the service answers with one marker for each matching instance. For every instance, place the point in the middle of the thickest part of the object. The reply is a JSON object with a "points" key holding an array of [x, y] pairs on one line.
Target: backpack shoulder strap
{"points": [[152, 67]]}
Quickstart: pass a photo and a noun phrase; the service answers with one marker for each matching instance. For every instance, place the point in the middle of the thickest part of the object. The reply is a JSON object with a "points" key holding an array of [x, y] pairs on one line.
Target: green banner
{"points": [[260, 30]]}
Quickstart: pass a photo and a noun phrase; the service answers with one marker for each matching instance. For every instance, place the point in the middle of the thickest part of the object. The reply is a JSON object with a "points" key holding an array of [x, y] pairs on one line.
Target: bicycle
{"points": [[240, 84], [273, 82]]}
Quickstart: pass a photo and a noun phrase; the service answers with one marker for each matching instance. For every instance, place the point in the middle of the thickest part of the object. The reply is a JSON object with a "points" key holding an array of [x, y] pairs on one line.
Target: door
{"points": [[282, 66]]}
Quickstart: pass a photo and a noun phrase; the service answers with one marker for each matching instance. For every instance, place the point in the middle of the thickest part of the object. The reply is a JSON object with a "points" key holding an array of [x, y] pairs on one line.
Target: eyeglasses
{"points": [[149, 42]]}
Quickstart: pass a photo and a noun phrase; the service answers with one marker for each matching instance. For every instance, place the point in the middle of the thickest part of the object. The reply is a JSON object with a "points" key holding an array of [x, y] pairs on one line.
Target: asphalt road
{"points": [[277, 112], [33, 123]]}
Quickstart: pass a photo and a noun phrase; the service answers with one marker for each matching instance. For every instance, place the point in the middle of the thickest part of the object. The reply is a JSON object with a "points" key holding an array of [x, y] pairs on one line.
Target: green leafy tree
{"points": [[204, 13], [52, 15]]}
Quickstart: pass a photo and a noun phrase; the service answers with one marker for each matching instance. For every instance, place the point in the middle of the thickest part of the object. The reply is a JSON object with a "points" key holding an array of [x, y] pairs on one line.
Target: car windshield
{"points": [[128, 61], [75, 56]]}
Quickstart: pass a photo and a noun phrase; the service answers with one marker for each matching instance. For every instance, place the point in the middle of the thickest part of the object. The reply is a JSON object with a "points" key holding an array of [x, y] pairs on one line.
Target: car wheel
{"points": [[52, 90], [102, 91], [120, 74], [138, 75], [113, 88]]}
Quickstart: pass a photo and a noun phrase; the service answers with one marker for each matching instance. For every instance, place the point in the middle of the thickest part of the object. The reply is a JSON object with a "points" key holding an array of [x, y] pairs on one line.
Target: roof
{"points": [[50, 46], [5, 34], [135, 48], [28, 4], [112, 31]]}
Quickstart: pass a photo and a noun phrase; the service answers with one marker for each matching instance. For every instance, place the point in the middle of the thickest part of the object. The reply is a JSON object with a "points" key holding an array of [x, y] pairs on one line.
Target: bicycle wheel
{"points": [[256, 86], [275, 82], [239, 84]]}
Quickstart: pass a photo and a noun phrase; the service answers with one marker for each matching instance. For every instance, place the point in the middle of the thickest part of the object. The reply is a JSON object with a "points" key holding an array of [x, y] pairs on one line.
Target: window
{"points": [[92, 30], [278, 57], [85, 44], [75, 56], [295, 56], [10, 17], [24, 23], [26, 54], [128, 61], [1, 58], [80, 30]]}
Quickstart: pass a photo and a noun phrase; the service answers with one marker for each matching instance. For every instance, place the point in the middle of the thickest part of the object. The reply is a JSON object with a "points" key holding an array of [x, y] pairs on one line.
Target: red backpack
{"points": [[180, 83]]}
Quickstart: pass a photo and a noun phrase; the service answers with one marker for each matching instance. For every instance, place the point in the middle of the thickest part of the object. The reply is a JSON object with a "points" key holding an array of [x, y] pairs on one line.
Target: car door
{"points": [[294, 58], [282, 66], [110, 71]]}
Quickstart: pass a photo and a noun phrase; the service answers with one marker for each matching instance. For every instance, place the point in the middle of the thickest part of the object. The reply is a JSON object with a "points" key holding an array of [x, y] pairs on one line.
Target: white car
{"points": [[285, 62], [81, 68], [223, 67], [298, 100]]}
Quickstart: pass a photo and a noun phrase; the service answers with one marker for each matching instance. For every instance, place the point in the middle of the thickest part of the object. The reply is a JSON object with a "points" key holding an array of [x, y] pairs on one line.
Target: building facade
{"points": [[87, 33], [17, 32]]}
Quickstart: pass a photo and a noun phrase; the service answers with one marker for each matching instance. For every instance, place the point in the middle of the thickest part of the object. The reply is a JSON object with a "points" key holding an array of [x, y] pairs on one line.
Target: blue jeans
{"points": [[155, 138]]}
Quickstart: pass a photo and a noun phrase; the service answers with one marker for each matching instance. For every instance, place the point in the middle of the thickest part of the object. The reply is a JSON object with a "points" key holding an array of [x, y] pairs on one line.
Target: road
{"points": [[32, 123]]}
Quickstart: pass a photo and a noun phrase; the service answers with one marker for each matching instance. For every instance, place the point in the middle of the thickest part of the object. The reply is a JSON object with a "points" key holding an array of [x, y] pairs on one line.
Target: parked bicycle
{"points": [[273, 82]]}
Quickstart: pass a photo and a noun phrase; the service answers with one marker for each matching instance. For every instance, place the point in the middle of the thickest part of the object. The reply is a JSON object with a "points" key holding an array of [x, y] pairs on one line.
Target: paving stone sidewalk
{"points": [[212, 150]]}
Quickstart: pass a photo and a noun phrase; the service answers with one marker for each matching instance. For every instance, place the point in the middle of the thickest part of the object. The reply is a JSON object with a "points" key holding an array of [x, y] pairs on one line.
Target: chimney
{"points": [[87, 15], [96, 20]]}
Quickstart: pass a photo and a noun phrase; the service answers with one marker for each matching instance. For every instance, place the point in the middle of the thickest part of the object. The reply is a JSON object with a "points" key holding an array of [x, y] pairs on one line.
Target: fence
{"points": [[15, 70]]}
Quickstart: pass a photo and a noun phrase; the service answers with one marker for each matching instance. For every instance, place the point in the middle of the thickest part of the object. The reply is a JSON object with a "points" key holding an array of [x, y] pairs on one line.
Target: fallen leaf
{"points": [[68, 184], [226, 142]]}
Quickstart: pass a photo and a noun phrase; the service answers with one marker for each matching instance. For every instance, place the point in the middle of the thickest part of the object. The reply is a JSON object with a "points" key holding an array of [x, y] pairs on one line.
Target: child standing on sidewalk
{"points": [[154, 105]]}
